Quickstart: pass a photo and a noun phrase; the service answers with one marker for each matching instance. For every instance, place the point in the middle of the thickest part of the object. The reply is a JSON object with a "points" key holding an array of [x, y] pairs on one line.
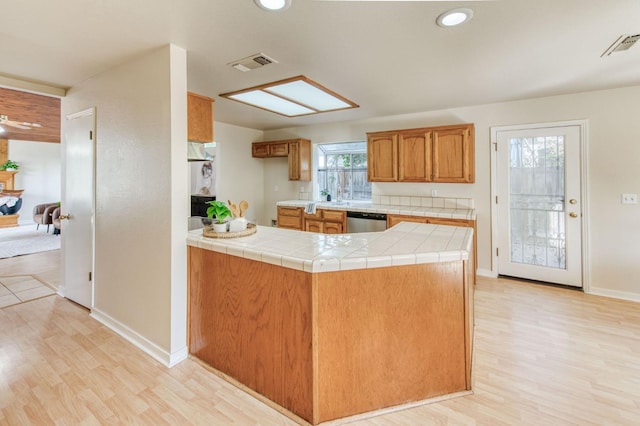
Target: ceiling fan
{"points": [[4, 120]]}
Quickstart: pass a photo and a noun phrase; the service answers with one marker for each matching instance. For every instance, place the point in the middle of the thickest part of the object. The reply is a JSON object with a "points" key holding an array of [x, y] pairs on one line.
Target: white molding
{"points": [[138, 340], [486, 273], [31, 87], [624, 295], [583, 125], [178, 356]]}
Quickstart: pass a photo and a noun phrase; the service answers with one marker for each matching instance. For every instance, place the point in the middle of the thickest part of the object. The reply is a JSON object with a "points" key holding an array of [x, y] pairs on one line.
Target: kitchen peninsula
{"points": [[329, 326]]}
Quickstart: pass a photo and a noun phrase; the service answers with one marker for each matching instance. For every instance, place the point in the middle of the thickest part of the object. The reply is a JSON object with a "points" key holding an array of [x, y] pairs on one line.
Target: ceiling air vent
{"points": [[624, 42], [252, 62]]}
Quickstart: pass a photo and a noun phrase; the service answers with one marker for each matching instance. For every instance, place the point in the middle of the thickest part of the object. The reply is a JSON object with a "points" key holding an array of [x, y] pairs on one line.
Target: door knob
{"points": [[573, 201], [572, 214], [64, 216]]}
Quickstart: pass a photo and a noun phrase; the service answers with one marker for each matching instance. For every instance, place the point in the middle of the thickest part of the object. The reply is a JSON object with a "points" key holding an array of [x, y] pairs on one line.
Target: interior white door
{"points": [[538, 204], [77, 207]]}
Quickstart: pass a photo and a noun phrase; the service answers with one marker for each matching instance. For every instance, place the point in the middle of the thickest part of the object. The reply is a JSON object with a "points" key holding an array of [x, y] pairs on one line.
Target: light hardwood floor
{"points": [[543, 356], [45, 266]]}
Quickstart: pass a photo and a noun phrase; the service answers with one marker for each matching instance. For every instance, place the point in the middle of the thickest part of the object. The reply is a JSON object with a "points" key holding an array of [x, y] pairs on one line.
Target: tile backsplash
{"points": [[411, 201], [435, 202]]}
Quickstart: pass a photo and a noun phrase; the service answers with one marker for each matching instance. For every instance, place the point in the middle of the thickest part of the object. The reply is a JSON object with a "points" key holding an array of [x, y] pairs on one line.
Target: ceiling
{"points": [[389, 57]]}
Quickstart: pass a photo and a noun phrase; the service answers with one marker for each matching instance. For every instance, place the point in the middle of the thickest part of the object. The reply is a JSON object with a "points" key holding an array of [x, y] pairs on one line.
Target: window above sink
{"points": [[342, 171]]}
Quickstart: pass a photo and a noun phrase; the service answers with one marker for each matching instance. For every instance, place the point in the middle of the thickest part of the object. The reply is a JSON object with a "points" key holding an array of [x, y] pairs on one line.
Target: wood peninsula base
{"points": [[333, 344]]}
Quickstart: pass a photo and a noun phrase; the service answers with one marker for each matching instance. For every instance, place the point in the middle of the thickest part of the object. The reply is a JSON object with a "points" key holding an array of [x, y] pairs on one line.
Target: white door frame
{"points": [[584, 127], [62, 290]]}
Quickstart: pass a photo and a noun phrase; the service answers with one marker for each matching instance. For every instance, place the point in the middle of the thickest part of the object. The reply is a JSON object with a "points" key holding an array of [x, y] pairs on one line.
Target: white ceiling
{"points": [[387, 56]]}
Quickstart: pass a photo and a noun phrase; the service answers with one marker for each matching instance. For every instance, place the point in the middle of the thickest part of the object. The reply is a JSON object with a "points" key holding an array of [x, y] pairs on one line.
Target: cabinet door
{"points": [[314, 226], [294, 164], [300, 160], [260, 150], [334, 215], [290, 217], [414, 151], [199, 118], [382, 157], [278, 149], [333, 228], [453, 155]]}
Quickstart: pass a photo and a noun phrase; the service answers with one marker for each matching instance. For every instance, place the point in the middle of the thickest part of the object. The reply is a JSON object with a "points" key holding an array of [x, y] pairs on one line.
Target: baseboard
{"points": [[486, 273], [139, 341], [624, 295]]}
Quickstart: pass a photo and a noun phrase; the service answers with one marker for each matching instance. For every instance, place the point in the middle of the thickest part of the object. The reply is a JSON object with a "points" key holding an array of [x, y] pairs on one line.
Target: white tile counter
{"points": [[442, 209], [404, 244]]}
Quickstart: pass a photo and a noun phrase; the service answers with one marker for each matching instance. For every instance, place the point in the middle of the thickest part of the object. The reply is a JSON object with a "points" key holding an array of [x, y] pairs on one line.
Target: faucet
{"points": [[339, 195]]}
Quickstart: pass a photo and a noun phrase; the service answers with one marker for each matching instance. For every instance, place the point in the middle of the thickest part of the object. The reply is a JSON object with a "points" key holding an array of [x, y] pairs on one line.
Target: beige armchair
{"points": [[43, 214], [55, 220]]}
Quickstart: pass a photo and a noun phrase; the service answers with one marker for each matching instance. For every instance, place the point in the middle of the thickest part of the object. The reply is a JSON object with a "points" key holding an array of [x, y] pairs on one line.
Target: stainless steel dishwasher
{"points": [[365, 222]]}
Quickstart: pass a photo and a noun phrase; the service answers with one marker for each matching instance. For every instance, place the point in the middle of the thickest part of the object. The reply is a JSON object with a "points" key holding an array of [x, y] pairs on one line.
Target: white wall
{"points": [[39, 174], [614, 168], [240, 176], [142, 198]]}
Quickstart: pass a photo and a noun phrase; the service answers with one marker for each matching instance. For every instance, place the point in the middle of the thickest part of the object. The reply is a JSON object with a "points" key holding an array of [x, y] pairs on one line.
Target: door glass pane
{"points": [[536, 178]]}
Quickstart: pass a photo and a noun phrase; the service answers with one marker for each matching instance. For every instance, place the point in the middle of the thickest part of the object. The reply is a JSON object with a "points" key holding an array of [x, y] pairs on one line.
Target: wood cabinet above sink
{"points": [[298, 152]]}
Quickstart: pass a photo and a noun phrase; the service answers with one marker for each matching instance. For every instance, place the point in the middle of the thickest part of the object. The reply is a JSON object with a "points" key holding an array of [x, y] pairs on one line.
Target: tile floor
{"points": [[21, 288]]}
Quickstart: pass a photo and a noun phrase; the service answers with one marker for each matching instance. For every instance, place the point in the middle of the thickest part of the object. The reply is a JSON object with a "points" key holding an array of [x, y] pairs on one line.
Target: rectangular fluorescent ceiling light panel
{"points": [[292, 97]]}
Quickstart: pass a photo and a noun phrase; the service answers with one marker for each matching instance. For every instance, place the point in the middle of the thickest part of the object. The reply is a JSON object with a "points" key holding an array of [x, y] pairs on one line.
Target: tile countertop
{"points": [[405, 244], [361, 206]]}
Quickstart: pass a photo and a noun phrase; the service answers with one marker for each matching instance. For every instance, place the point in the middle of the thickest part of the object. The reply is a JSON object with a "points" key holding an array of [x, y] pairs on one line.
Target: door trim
{"points": [[584, 133]]}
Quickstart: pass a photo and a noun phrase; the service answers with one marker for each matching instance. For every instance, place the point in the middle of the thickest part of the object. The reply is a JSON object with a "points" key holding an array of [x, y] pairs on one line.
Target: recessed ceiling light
{"points": [[1, 129], [273, 5], [454, 17], [292, 97]]}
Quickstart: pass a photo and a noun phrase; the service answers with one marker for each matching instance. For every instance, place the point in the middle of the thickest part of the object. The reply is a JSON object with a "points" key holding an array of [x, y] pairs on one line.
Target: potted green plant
{"points": [[220, 211], [325, 194], [9, 166]]}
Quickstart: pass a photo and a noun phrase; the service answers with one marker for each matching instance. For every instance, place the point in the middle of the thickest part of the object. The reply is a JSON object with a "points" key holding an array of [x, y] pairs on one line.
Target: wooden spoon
{"points": [[243, 207], [234, 209]]}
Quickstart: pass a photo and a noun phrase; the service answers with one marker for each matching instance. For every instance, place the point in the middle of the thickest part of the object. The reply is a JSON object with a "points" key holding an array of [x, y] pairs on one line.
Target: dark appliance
{"points": [[199, 204]]}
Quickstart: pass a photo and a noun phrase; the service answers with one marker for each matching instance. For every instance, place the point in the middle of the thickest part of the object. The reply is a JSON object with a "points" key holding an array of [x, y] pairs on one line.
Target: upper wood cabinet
{"points": [[300, 160], [414, 151], [199, 118], [260, 149], [453, 154], [382, 157], [270, 149], [431, 154], [298, 152]]}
